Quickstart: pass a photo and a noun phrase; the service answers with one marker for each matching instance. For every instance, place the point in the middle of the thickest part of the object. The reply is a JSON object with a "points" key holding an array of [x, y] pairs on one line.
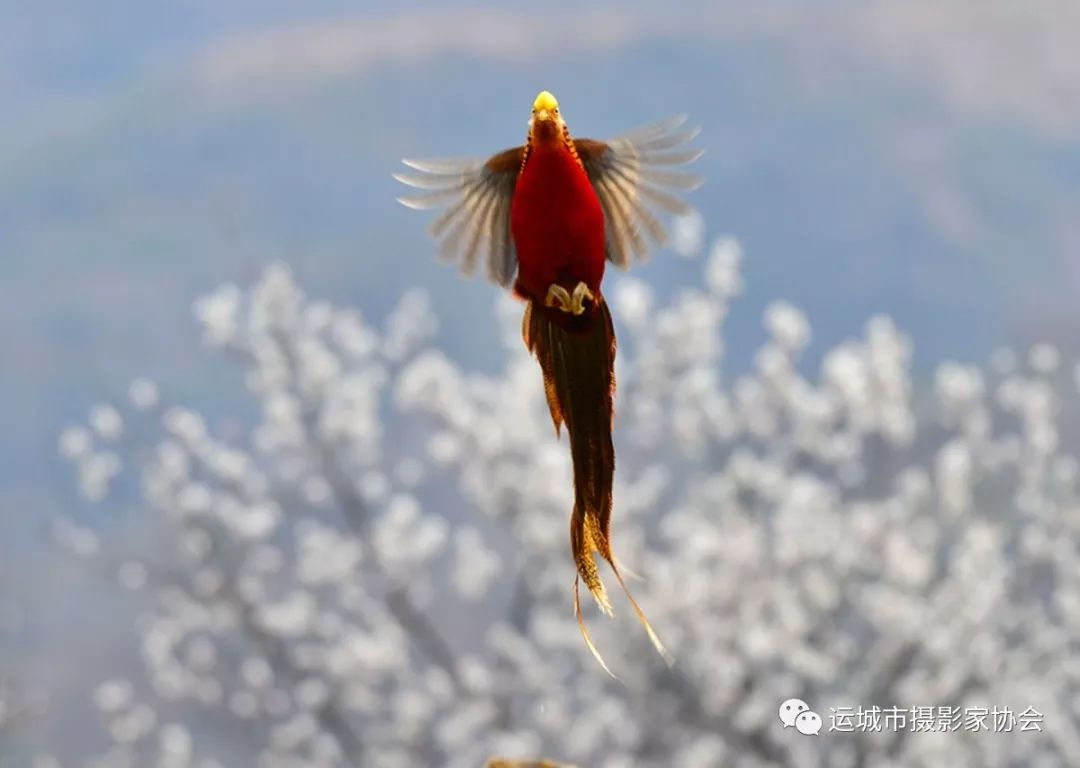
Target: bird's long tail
{"points": [[577, 357]]}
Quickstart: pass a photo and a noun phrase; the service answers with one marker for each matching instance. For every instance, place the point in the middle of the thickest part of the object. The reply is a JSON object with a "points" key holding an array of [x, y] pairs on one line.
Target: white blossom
{"points": [[688, 234], [106, 421], [375, 569], [722, 270], [475, 564], [75, 443], [788, 325], [113, 696], [218, 314]]}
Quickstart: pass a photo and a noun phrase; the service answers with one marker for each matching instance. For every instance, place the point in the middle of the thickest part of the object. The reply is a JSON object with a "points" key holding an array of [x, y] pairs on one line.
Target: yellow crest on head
{"points": [[546, 102]]}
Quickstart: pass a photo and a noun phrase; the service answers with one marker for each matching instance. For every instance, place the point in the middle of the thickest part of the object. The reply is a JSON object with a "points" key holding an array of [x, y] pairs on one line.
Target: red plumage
{"points": [[554, 211], [556, 222]]}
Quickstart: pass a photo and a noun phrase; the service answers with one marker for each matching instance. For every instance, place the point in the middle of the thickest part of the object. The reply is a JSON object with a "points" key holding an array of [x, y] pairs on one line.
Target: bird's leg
{"points": [[557, 296], [573, 303]]}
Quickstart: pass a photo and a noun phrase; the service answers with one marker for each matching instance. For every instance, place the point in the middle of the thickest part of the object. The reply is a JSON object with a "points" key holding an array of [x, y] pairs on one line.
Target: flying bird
{"points": [[544, 218]]}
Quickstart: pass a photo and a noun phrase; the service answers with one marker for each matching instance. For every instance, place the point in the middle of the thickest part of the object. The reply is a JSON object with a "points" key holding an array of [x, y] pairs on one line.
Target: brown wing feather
{"points": [[475, 198], [630, 175]]}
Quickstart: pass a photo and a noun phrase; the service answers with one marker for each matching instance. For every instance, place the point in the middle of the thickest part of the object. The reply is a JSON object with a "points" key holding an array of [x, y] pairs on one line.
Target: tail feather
{"points": [[585, 631], [623, 567], [577, 357]]}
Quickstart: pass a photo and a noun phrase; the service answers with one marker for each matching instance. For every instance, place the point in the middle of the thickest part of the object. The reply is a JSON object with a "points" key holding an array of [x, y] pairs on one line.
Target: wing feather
{"points": [[633, 174], [481, 231], [475, 198]]}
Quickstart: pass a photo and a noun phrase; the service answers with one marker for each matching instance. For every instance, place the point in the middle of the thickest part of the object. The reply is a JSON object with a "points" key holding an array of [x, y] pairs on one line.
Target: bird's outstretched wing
{"points": [[634, 172], [475, 195]]}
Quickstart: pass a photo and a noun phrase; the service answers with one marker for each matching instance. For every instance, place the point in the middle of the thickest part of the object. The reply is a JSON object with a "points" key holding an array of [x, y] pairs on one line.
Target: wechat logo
{"points": [[797, 713]]}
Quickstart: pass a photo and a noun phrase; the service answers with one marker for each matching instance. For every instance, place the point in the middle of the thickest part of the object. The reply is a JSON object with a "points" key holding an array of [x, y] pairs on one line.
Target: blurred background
{"points": [[918, 160]]}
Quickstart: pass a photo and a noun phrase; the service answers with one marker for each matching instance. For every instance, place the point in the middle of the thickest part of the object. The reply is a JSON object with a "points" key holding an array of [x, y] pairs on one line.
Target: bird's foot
{"points": [[573, 303]]}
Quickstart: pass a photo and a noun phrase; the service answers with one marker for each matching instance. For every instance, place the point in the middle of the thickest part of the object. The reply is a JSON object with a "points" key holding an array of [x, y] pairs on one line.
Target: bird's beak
{"points": [[542, 115]]}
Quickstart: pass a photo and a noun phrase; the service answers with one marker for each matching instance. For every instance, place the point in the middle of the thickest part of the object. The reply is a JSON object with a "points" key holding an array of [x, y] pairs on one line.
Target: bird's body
{"points": [[556, 221], [552, 213]]}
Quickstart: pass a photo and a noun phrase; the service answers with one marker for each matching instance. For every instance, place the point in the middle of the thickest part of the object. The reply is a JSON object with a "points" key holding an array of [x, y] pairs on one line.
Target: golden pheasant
{"points": [[546, 217]]}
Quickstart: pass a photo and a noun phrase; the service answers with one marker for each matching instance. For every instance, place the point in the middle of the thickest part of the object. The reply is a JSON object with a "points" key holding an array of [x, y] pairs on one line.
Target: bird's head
{"points": [[546, 123]]}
